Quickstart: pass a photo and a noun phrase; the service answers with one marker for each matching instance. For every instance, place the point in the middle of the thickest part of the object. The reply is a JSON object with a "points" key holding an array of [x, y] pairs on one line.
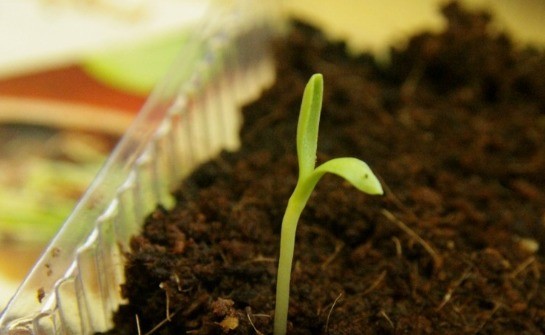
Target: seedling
{"points": [[353, 170]]}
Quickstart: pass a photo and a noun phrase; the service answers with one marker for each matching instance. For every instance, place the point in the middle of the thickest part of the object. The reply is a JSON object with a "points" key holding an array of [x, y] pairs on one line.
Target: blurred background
{"points": [[74, 73]]}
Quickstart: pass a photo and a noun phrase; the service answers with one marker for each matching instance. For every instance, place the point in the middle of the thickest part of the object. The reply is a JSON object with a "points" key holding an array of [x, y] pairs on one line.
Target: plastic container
{"points": [[74, 288]]}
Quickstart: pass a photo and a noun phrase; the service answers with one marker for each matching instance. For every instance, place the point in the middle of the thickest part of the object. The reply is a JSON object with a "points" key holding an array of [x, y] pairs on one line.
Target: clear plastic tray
{"points": [[74, 288]]}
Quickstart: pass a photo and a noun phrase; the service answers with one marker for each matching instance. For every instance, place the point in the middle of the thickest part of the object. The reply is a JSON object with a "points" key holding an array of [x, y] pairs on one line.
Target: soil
{"points": [[454, 127]]}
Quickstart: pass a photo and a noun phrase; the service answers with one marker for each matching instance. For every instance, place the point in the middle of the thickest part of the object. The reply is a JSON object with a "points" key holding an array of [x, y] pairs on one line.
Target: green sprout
{"points": [[353, 170]]}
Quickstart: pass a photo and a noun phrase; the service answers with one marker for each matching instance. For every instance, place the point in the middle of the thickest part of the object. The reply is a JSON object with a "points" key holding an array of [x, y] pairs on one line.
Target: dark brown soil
{"points": [[455, 129]]}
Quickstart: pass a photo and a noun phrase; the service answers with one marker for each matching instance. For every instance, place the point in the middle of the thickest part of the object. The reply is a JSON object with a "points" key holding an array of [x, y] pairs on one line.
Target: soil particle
{"points": [[454, 127]]}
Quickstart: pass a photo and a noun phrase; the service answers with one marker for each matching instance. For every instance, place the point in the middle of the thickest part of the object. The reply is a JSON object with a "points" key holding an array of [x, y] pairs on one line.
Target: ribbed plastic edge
{"points": [[74, 288]]}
